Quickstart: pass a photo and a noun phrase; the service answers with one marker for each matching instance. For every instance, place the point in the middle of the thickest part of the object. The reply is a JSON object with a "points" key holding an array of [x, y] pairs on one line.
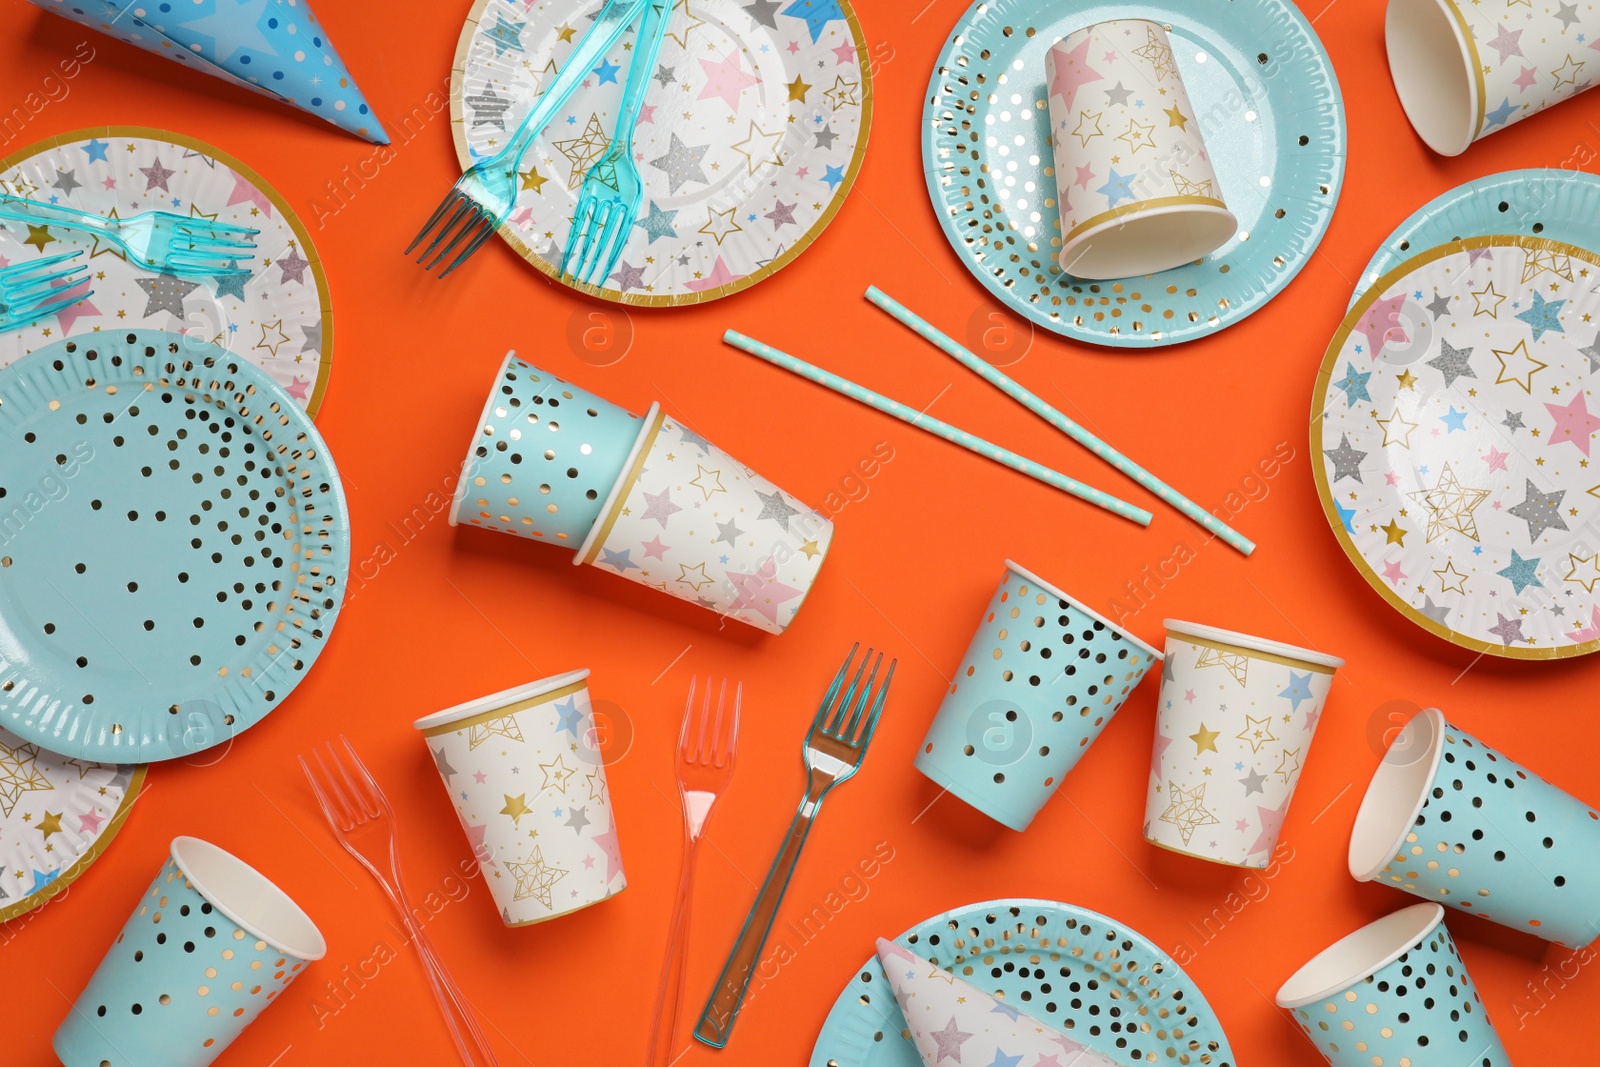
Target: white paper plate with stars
{"points": [[1454, 423], [750, 137], [279, 318]]}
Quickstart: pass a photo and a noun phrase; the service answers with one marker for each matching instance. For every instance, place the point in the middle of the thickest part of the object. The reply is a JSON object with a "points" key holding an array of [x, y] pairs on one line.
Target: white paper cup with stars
{"points": [[1233, 727], [1134, 186], [690, 520], [212, 943], [523, 768]]}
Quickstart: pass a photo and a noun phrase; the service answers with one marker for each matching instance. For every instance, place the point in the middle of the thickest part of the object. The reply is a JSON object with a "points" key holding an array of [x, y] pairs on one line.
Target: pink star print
{"points": [[1590, 632], [1156, 752], [246, 192], [1507, 42], [1392, 478], [608, 844], [1085, 176], [846, 52], [647, 113], [1311, 720], [1271, 824], [1574, 424], [654, 549], [1496, 459], [475, 838], [761, 591], [479, 777], [83, 309], [1392, 571], [299, 388], [1072, 71], [1381, 324], [1526, 79], [720, 275], [89, 822], [1188, 695], [725, 79]]}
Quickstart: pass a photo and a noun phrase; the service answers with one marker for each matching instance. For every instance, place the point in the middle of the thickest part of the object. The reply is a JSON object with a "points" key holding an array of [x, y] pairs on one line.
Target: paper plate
{"points": [[280, 318], [1453, 425], [173, 546], [1105, 986], [752, 133], [56, 816], [1267, 100], [1563, 205]]}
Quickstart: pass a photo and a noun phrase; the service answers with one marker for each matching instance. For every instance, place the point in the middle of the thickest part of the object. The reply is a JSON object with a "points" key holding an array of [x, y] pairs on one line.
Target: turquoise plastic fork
{"points": [[31, 291], [481, 198], [158, 241], [612, 191]]}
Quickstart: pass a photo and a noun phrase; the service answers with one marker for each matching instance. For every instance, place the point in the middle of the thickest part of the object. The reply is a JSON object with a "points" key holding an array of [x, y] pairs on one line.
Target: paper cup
{"points": [[1463, 71], [1396, 994], [543, 457], [1134, 185], [1450, 819], [1040, 680], [690, 520], [524, 771], [212, 943], [1233, 727]]}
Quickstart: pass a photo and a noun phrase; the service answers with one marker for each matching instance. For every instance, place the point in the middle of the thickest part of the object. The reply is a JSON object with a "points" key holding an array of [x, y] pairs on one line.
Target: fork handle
{"points": [[21, 209], [675, 965], [716, 1022], [647, 46], [444, 985]]}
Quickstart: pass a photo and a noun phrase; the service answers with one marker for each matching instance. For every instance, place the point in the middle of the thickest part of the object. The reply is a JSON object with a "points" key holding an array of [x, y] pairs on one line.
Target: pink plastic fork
{"points": [[706, 750], [357, 809]]}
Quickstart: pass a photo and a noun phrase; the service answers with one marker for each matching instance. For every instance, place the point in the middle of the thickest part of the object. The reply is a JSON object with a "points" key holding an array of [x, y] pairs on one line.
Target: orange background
{"points": [[447, 614]]}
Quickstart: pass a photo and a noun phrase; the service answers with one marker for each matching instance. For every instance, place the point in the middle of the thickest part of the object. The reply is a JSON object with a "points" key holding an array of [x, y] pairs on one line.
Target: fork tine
{"points": [[42, 282], [613, 253], [688, 713], [728, 741], [709, 754], [833, 690], [51, 309], [577, 236], [836, 721], [877, 707], [595, 246], [488, 230], [28, 269], [200, 264], [208, 226], [464, 209], [451, 199], [468, 230], [332, 784], [862, 702], [326, 791], [323, 800], [703, 725], [369, 790], [195, 243]]}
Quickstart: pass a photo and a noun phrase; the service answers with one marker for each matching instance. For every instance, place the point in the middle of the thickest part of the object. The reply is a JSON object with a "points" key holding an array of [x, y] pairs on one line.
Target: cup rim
{"points": [[1435, 912], [516, 694], [1372, 809], [1181, 628], [265, 885], [1054, 590], [1150, 209], [647, 429], [483, 416], [1466, 50]]}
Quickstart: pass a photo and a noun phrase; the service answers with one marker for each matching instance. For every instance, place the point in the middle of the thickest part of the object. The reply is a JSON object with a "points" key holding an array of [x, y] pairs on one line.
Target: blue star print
{"points": [[833, 176], [507, 35], [1521, 573], [658, 223], [606, 72], [1299, 688], [1354, 385], [1499, 115], [571, 717], [618, 560], [1455, 420], [1347, 517], [1118, 187], [817, 13], [1543, 316], [97, 150]]}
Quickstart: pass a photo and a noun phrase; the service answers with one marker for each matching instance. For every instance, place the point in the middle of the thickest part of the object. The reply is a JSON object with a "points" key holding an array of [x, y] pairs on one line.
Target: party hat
{"points": [[953, 1021], [275, 47]]}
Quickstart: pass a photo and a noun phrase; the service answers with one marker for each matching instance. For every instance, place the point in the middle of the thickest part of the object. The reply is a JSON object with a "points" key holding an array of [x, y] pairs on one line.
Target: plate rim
{"points": [[1324, 381], [1143, 340], [308, 249], [458, 137]]}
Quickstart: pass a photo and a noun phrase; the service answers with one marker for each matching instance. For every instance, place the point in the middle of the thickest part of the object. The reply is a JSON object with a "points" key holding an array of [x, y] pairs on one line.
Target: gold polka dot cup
{"points": [[690, 520], [524, 770], [1134, 187], [1040, 680], [544, 454], [211, 944], [1394, 994], [1451, 820], [1465, 70], [1234, 724]]}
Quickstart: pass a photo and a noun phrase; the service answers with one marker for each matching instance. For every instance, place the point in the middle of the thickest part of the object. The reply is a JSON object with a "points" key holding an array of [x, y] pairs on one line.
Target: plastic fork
{"points": [[705, 763], [30, 291], [364, 823], [612, 191], [834, 749], [481, 198], [158, 241]]}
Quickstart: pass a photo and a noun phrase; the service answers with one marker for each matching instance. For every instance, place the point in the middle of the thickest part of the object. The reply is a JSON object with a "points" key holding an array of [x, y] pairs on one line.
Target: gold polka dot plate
{"points": [[753, 128], [1105, 986], [1265, 98], [173, 546], [279, 318], [1452, 424]]}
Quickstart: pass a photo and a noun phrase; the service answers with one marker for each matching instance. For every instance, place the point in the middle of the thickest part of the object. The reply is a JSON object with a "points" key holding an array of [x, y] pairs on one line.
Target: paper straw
{"points": [[932, 425], [1055, 418]]}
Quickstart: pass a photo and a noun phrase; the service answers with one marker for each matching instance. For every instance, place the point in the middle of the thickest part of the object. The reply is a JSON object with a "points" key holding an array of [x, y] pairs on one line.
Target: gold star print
{"points": [[1236, 665], [1256, 732], [724, 227], [565, 32], [1450, 505], [50, 824], [759, 148], [688, 22], [506, 727], [39, 236], [532, 179], [535, 878], [694, 577], [1159, 55], [1487, 302], [1526, 366], [516, 807], [597, 786], [1205, 739], [842, 94], [1188, 811], [1138, 135], [708, 482], [1406, 379], [1186, 187], [797, 89], [1401, 434], [556, 773], [19, 773], [20, 186], [1546, 259], [1177, 118], [1288, 764], [1083, 133], [270, 343], [584, 150], [1591, 572], [1393, 534], [810, 549], [1567, 73], [1450, 579]]}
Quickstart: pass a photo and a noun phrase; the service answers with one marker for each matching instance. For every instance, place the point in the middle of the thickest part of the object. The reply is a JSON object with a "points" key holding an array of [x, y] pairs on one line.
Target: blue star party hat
{"points": [[275, 47]]}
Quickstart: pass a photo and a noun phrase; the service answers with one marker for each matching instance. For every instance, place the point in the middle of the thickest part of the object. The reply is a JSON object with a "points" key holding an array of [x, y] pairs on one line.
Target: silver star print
{"points": [[681, 163], [665, 75], [728, 531], [1439, 305], [1568, 14], [1346, 460], [776, 508], [313, 338], [165, 293], [578, 819], [1513, 421], [487, 108], [1541, 511], [763, 12], [1592, 350], [1452, 362], [443, 761], [1252, 782], [67, 181], [825, 136], [1436, 612], [1118, 96]]}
